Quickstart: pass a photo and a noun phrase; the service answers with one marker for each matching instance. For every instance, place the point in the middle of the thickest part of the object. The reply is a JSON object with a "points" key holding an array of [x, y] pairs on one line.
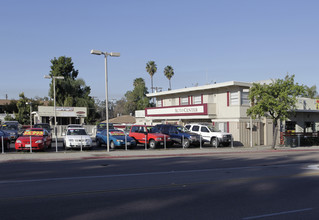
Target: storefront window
{"points": [[290, 126], [309, 126]]}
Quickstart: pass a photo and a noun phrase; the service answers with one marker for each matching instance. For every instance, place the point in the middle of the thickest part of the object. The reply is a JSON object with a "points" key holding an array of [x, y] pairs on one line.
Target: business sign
{"points": [[177, 110], [67, 109]]}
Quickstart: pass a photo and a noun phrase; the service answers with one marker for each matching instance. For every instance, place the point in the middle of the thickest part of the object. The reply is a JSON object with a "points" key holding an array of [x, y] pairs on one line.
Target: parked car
{"points": [[149, 134], [179, 134], [101, 126], [117, 138], [74, 126], [211, 134], [40, 139], [76, 137], [43, 125], [5, 139], [12, 128]]}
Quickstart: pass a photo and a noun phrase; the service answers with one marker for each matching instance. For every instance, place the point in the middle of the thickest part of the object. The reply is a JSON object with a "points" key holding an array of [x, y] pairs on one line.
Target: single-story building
{"points": [[64, 115]]}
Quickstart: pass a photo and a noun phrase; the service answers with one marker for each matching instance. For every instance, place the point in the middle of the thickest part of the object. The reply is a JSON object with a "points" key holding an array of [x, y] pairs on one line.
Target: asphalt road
{"points": [[272, 185]]}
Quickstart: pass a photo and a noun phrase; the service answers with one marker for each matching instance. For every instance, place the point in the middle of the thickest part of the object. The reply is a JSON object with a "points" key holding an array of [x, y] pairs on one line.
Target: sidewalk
{"points": [[150, 153]]}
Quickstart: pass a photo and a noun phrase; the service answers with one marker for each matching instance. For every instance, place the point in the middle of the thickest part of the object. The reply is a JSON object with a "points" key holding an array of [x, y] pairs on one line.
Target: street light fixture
{"points": [[55, 130], [112, 54]]}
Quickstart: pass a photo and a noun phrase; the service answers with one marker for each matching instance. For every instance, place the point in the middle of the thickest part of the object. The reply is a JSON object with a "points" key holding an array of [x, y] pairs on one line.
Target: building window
{"points": [[234, 98], [159, 103], [184, 101], [290, 126], [197, 99], [244, 98]]}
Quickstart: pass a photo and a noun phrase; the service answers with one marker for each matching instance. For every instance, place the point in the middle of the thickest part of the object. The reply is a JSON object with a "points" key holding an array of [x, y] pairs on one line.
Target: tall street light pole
{"points": [[112, 54], [30, 103], [55, 129]]}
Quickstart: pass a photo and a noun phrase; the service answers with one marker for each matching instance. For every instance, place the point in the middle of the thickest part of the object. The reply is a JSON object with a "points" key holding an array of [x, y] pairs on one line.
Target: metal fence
{"points": [[289, 139]]}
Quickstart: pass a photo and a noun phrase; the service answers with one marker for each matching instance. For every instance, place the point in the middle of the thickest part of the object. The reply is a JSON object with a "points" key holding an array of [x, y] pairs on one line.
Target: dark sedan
{"points": [[4, 140]]}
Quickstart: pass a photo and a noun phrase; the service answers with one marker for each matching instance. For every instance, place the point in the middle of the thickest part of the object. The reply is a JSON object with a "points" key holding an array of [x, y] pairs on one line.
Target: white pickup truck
{"points": [[210, 134]]}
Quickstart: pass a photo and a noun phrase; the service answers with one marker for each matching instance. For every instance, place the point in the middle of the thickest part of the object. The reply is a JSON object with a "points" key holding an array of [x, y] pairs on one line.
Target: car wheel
{"points": [[132, 146], [152, 144], [186, 143], [98, 143], [214, 142], [8, 145], [112, 145]]}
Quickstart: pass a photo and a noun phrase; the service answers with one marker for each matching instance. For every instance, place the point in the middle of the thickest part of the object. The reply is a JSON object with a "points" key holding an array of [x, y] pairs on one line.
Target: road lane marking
{"points": [[313, 167], [278, 213], [141, 174]]}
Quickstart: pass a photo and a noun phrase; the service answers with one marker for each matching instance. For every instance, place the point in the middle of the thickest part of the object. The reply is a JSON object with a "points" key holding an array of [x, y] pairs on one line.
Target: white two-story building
{"points": [[225, 106], [222, 104]]}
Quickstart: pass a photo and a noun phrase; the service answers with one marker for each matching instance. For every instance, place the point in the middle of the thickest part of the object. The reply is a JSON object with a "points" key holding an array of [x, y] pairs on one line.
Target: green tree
{"points": [[70, 91], [311, 92], [151, 68], [169, 73], [120, 108], [275, 100], [136, 99], [11, 107], [23, 114], [9, 118]]}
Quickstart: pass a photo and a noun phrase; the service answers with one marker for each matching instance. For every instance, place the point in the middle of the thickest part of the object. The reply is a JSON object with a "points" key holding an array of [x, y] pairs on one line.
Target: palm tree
{"points": [[169, 73], [151, 68]]}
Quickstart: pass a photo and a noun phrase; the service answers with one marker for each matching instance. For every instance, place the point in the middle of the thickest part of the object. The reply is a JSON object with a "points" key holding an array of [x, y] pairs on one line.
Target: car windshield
{"points": [[181, 129], [213, 129], [102, 126], [9, 127], [46, 126], [33, 133], [76, 132]]}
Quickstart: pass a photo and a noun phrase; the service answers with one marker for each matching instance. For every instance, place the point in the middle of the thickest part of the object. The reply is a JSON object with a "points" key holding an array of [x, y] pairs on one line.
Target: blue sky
{"points": [[204, 41]]}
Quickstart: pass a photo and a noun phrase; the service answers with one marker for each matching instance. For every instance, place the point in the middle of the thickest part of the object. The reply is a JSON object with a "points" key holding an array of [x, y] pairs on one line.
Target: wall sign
{"points": [[177, 110]]}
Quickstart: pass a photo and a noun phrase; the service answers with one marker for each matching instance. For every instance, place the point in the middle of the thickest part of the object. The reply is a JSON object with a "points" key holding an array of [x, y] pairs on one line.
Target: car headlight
{"points": [[18, 141], [119, 141], [71, 140], [39, 141]]}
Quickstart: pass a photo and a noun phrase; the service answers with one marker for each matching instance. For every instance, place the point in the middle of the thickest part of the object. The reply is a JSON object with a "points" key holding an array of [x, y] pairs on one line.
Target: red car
{"points": [[40, 139], [153, 137]]}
